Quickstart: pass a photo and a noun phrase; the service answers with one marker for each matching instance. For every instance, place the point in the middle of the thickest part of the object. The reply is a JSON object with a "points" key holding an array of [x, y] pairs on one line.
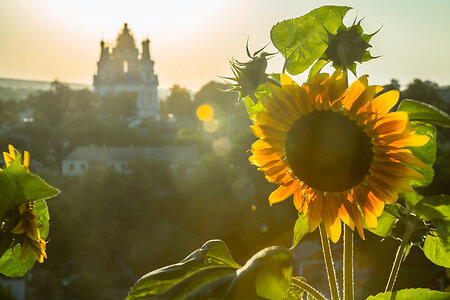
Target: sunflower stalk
{"points": [[329, 263], [399, 257], [348, 263], [307, 288]]}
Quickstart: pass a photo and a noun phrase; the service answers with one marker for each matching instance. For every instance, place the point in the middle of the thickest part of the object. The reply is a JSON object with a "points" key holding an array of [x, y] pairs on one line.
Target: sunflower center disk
{"points": [[328, 151]]}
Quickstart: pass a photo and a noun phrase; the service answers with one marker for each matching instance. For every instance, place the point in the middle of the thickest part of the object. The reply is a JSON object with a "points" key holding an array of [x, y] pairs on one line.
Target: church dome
{"points": [[125, 40]]}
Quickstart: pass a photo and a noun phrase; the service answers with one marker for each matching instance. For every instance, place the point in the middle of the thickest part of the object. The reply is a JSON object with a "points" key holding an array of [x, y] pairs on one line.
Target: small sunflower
{"points": [[27, 225], [338, 151]]}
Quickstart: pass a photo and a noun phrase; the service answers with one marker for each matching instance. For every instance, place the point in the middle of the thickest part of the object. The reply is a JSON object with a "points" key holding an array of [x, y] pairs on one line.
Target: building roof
{"points": [[108, 154]]}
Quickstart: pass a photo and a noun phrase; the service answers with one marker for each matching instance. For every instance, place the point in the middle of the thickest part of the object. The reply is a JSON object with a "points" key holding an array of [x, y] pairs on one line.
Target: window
{"points": [[71, 167], [125, 67], [83, 167]]}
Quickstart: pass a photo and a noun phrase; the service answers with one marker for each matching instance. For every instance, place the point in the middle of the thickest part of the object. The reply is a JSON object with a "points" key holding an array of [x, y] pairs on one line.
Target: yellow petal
{"points": [[378, 107], [315, 211], [282, 192]]}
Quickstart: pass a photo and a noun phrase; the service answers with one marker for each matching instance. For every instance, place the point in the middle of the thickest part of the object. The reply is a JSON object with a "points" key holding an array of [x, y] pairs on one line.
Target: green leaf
{"points": [[437, 245], [300, 229], [407, 294], [386, 223], [426, 153], [316, 68], [211, 273], [17, 186], [425, 112], [433, 207], [411, 199], [388, 219], [436, 209], [11, 264], [302, 40]]}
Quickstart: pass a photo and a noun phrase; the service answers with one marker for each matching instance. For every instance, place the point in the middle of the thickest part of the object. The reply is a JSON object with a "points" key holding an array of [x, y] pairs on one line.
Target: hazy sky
{"points": [[192, 40]]}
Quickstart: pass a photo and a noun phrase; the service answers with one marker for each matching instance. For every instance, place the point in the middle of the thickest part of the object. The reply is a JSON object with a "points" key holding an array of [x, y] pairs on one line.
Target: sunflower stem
{"points": [[329, 263], [307, 288], [348, 263], [399, 258]]}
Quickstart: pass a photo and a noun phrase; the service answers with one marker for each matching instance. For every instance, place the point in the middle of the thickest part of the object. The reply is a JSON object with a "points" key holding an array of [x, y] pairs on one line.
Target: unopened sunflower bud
{"points": [[249, 75], [348, 46]]}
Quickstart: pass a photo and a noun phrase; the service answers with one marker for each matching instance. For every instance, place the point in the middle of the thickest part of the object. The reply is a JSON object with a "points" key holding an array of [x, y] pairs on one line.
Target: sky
{"points": [[193, 41]]}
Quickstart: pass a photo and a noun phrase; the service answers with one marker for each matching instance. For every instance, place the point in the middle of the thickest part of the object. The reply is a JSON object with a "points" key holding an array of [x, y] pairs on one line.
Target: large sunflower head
{"points": [[338, 151]]}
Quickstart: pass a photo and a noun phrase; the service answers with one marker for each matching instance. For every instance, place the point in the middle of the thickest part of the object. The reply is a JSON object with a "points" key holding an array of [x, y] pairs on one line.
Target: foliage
{"points": [[302, 40], [17, 187], [210, 272], [419, 294]]}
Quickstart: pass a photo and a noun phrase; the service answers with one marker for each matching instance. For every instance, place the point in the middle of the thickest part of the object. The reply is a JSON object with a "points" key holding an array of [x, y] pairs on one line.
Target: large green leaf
{"points": [[211, 273], [386, 223], [388, 219], [436, 209], [433, 207], [437, 244], [17, 186], [302, 40], [424, 112], [426, 153], [10, 262], [416, 294], [300, 228]]}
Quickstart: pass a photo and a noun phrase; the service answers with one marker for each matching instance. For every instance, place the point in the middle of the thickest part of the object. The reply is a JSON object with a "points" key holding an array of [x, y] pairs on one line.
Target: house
{"points": [[121, 158]]}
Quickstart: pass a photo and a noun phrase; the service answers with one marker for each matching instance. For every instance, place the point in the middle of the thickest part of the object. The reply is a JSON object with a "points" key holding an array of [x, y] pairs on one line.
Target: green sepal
{"points": [[255, 106], [424, 112], [300, 228], [416, 294], [211, 273], [303, 40]]}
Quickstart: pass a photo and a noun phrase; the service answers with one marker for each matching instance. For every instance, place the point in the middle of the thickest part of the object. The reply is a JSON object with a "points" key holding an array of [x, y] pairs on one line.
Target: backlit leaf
{"points": [[11, 264], [426, 153], [211, 273], [408, 294], [302, 40], [17, 186], [300, 229], [424, 112]]}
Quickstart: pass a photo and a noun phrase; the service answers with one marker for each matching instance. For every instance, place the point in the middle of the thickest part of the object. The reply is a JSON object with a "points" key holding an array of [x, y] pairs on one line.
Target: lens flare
{"points": [[205, 112]]}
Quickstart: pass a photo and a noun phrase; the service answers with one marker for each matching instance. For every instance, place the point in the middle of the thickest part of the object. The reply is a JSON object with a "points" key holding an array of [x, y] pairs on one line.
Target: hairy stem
{"points": [[348, 263], [399, 258], [307, 288], [329, 263]]}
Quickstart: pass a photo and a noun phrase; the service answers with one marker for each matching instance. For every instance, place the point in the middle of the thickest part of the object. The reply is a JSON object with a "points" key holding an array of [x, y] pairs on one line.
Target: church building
{"points": [[124, 69]]}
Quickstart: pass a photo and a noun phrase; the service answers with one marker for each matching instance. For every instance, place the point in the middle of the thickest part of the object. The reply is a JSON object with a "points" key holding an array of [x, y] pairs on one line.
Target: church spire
{"points": [[145, 50], [104, 51]]}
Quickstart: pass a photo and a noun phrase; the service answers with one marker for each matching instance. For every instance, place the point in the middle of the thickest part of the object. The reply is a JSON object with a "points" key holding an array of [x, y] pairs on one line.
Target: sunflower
{"points": [[338, 151], [27, 225]]}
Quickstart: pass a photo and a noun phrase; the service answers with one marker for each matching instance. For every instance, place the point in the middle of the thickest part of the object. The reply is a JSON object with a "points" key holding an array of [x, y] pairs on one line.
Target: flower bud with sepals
{"points": [[249, 75], [348, 46]]}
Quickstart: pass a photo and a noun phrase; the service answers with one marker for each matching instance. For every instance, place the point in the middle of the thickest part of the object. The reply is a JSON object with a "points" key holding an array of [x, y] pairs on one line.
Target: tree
{"points": [[178, 102]]}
